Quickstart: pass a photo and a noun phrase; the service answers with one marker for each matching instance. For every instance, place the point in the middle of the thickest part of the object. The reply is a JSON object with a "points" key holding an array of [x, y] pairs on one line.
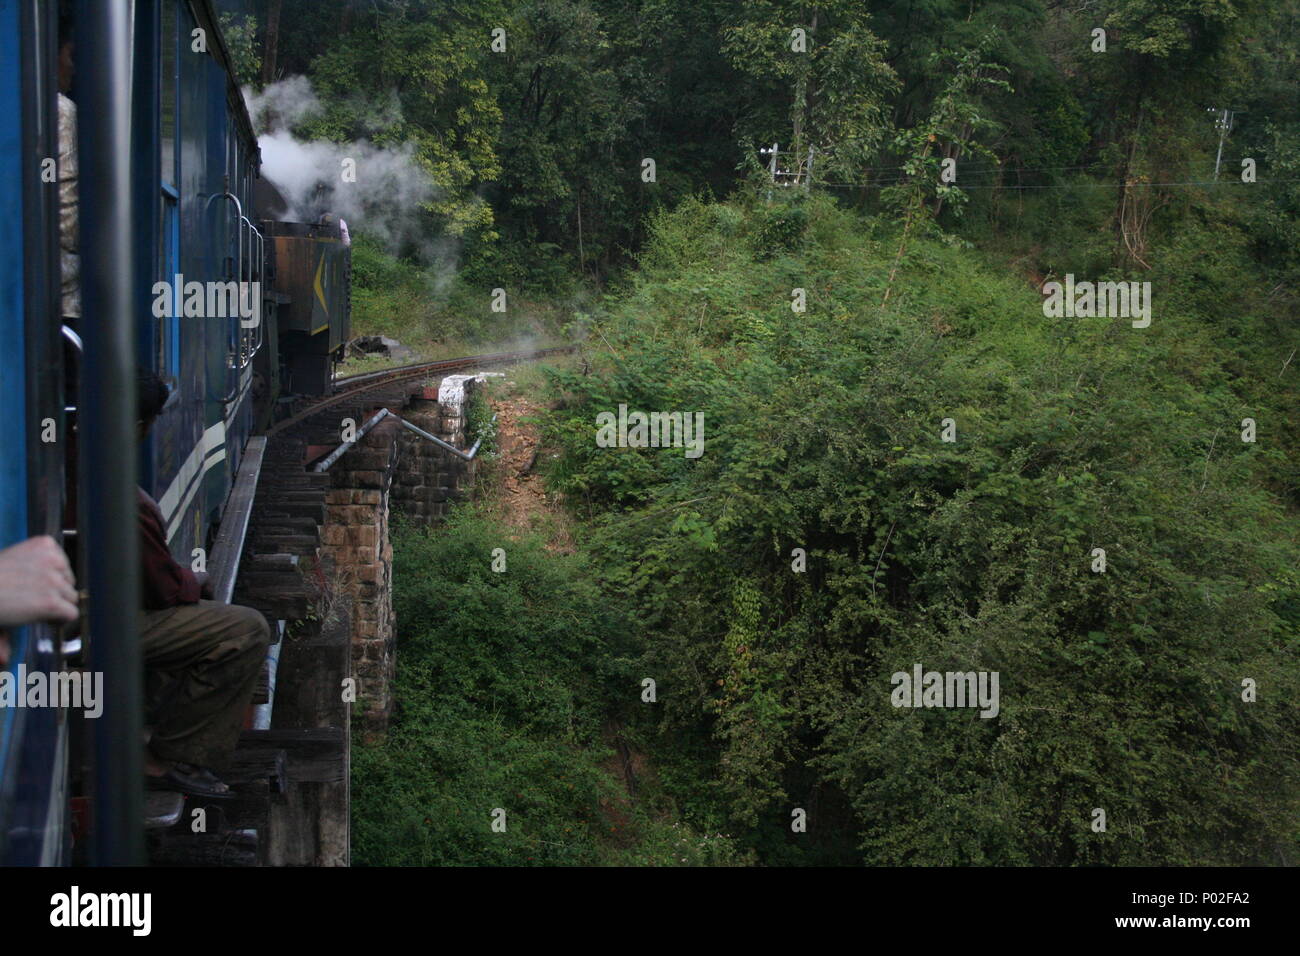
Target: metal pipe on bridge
{"points": [[467, 455], [324, 464]]}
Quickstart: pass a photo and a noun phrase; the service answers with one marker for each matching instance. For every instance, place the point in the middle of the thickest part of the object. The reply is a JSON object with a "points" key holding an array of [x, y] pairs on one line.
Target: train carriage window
{"points": [[168, 334], [167, 87], [169, 339]]}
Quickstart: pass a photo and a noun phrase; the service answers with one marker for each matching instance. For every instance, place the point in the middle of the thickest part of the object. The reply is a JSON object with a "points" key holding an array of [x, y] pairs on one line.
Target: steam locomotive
{"points": [[168, 188]]}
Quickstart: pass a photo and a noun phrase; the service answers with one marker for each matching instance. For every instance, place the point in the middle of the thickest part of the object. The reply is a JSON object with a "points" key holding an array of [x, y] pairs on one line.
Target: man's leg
{"points": [[211, 655]]}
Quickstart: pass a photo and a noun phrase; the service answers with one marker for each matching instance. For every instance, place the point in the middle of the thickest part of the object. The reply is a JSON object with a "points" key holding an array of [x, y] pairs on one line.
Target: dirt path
{"points": [[522, 501], [519, 498]]}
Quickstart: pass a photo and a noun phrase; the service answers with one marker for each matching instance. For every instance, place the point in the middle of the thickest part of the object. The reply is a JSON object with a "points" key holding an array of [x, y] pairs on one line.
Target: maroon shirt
{"points": [[166, 583]]}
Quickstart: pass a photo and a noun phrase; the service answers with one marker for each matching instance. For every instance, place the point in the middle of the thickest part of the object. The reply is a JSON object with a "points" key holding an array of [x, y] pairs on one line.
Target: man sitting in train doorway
{"points": [[202, 658]]}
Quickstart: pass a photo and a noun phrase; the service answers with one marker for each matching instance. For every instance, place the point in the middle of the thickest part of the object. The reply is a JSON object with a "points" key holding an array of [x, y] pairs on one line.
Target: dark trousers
{"points": [[201, 667]]}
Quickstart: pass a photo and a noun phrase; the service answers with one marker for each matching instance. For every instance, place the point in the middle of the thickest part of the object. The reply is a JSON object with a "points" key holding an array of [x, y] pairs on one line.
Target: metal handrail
{"points": [[466, 455], [261, 278], [245, 338], [260, 263], [256, 269], [325, 463], [75, 339], [232, 361]]}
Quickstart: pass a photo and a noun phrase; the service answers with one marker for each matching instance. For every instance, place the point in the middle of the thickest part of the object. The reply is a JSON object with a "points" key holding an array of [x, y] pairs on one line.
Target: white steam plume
{"points": [[389, 188]]}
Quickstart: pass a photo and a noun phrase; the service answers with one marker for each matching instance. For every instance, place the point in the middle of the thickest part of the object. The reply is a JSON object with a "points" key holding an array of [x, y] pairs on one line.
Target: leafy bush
{"points": [[503, 683], [480, 424], [781, 228], [1120, 690]]}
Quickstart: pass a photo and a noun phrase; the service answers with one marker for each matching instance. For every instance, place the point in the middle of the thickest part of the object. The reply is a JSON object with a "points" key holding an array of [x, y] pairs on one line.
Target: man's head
{"points": [[150, 395]]}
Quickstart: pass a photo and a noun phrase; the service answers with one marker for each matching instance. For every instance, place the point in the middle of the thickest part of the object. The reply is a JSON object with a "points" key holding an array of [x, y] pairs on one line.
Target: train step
{"points": [[162, 809]]}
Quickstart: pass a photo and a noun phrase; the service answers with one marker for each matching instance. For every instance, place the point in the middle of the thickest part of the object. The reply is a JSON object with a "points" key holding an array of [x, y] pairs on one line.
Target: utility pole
{"points": [[799, 173], [1224, 124], [771, 167]]}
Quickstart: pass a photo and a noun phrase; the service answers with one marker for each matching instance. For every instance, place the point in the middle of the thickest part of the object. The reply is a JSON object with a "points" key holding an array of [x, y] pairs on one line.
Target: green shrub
{"points": [[504, 681], [1120, 690]]}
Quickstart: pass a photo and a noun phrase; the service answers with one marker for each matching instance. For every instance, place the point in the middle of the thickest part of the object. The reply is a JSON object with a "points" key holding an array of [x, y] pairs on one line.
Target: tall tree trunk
{"points": [[272, 41], [1123, 246], [914, 208]]}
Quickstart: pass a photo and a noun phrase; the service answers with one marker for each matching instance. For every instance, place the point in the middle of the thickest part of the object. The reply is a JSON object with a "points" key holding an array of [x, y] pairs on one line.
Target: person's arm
{"points": [[69, 224], [166, 583], [36, 584]]}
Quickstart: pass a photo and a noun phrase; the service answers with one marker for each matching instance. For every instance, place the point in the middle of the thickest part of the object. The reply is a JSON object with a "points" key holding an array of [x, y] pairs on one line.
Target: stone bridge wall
{"points": [[391, 468]]}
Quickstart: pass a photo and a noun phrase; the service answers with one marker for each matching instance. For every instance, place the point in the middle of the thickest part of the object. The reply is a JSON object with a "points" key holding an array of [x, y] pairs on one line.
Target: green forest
{"points": [[833, 229]]}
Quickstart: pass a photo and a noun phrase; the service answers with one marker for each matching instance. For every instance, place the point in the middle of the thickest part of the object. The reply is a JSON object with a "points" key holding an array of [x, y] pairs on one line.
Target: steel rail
{"points": [[485, 359], [366, 381]]}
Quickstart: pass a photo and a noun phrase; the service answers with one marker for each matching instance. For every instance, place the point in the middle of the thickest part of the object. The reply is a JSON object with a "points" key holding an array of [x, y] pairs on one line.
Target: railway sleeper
{"points": [[283, 606], [296, 496], [287, 526], [292, 509], [299, 544], [270, 562]]}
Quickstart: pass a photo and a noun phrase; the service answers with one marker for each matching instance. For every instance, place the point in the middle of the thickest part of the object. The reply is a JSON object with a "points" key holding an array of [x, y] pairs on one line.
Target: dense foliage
{"points": [[538, 148], [1120, 690], [504, 680]]}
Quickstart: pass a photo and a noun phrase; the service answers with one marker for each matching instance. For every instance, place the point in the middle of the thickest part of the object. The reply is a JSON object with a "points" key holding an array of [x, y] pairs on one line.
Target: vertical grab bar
{"points": [[256, 262], [110, 259], [77, 344], [245, 334], [233, 359], [261, 277], [75, 339]]}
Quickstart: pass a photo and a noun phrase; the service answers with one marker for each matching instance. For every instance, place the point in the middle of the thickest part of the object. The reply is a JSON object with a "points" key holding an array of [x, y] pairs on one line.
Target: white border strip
{"points": [[209, 452]]}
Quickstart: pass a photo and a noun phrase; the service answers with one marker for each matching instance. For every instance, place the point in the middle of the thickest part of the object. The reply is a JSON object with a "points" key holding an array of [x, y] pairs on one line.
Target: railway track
{"points": [[306, 563], [349, 386], [289, 508]]}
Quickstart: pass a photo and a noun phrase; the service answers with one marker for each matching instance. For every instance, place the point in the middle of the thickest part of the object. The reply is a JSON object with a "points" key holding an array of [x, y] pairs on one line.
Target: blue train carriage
{"points": [[207, 234], [33, 741], [180, 187]]}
